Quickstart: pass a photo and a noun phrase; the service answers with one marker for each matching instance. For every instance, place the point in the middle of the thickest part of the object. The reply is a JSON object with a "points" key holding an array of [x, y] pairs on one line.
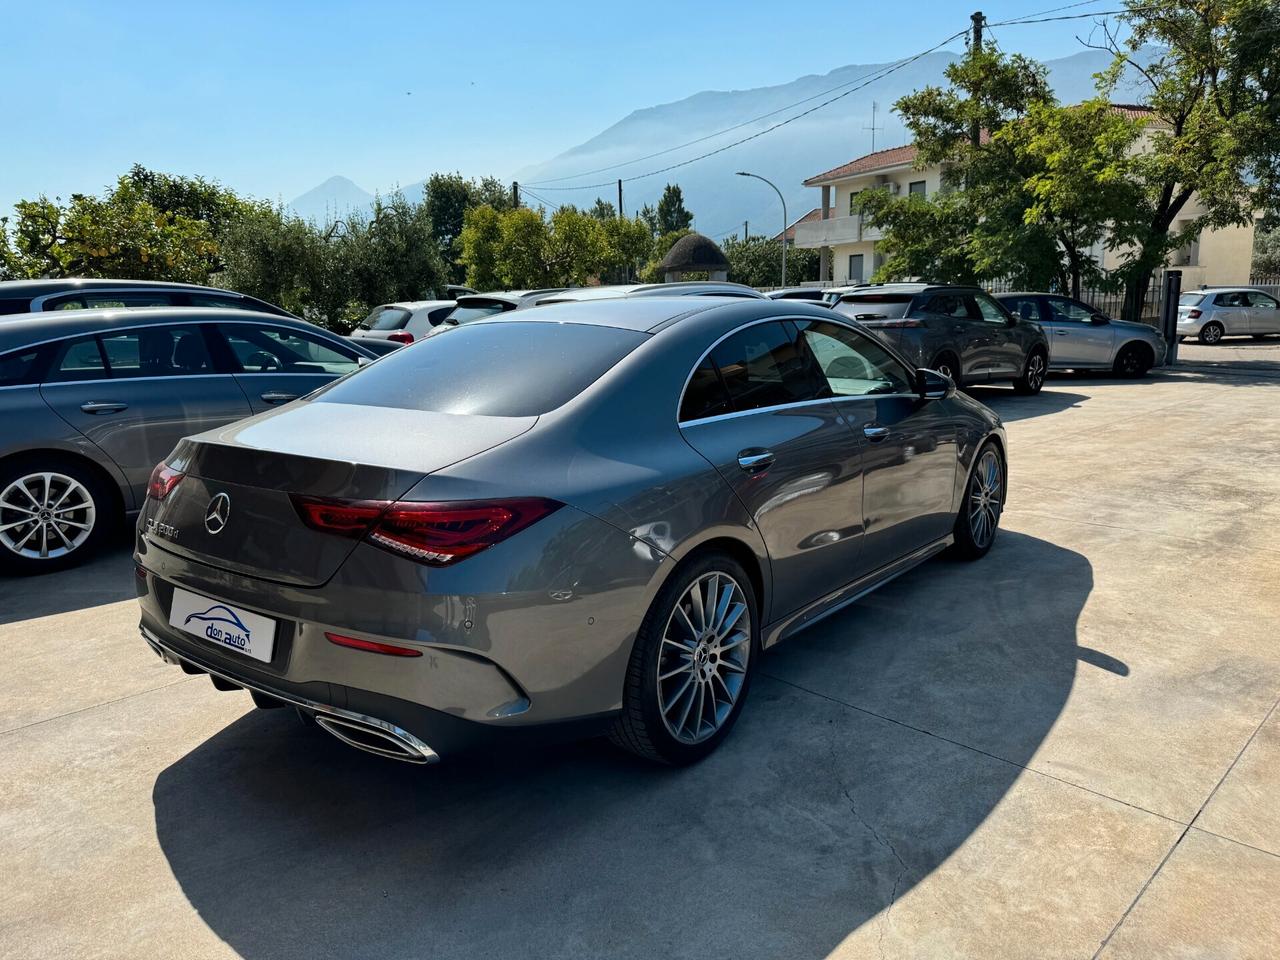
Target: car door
{"points": [[1003, 347], [277, 363], [754, 409], [1075, 339], [907, 444], [1264, 313], [956, 326], [1231, 309], [137, 392]]}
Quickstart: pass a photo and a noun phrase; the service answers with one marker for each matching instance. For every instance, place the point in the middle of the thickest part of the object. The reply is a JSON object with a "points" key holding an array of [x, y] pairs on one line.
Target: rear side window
{"points": [[89, 300], [762, 366], [156, 352], [705, 396], [385, 318], [1025, 307], [222, 303], [953, 305], [20, 367], [516, 369], [78, 360], [875, 306], [15, 306], [1230, 300]]}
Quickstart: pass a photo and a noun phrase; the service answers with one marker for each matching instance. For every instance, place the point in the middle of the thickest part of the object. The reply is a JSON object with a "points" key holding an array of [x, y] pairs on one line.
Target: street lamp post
{"points": [[743, 173]]}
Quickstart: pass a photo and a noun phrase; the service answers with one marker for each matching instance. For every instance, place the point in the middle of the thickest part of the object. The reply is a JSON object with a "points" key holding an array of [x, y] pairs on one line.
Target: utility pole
{"points": [[621, 214], [875, 108], [975, 128], [515, 193], [745, 233]]}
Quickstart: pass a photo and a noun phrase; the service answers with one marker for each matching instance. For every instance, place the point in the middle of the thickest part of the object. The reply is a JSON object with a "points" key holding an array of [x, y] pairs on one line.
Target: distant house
{"points": [[790, 233], [849, 244]]}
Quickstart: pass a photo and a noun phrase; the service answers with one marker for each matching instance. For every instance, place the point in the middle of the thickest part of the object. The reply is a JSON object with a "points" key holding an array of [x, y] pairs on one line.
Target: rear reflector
{"points": [[163, 479], [401, 336], [372, 646], [432, 533]]}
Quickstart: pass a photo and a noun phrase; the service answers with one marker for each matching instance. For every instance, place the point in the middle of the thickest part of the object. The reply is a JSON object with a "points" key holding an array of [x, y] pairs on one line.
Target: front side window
{"points": [[1260, 301], [991, 311], [1069, 310], [853, 365], [285, 350], [156, 352], [762, 366]]}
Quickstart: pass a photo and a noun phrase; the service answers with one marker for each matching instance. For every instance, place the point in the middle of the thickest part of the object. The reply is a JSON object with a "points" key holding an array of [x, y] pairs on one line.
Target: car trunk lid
{"points": [[260, 464]]}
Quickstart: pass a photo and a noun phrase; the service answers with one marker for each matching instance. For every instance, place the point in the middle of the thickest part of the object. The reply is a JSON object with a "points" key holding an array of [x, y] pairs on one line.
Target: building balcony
{"points": [[834, 231]]}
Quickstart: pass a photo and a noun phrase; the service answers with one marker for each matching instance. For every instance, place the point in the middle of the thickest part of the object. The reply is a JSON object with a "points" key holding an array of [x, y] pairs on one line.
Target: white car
{"points": [[1218, 312]]}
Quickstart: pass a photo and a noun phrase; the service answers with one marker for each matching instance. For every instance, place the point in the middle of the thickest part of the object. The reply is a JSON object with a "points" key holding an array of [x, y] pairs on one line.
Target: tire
{"points": [[69, 512], [973, 540], [1134, 360], [948, 364], [1212, 332], [666, 646], [1033, 373]]}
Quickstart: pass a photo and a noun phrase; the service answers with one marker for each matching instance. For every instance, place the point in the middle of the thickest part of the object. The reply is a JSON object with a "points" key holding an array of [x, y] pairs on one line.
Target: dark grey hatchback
{"points": [[91, 400]]}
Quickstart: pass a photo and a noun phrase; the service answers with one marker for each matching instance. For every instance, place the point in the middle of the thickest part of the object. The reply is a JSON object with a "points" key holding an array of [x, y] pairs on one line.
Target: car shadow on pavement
{"points": [[873, 746], [1012, 406], [107, 578]]}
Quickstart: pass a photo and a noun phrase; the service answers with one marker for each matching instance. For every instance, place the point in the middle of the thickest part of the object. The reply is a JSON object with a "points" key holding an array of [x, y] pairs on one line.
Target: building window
{"points": [[855, 268], [916, 188]]}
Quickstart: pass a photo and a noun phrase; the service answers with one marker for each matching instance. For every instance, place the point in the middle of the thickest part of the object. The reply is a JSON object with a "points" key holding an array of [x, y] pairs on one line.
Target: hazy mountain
{"points": [[334, 198], [825, 138]]}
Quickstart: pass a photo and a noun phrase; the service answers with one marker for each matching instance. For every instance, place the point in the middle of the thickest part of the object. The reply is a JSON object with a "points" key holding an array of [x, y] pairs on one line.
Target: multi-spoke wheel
{"points": [[1033, 373], [979, 515], [692, 663], [1212, 332], [49, 518]]}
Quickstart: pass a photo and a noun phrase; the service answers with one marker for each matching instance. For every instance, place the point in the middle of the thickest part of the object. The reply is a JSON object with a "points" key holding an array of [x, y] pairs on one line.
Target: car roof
{"points": [[703, 288], [913, 288], [648, 314], [27, 329], [12, 289]]}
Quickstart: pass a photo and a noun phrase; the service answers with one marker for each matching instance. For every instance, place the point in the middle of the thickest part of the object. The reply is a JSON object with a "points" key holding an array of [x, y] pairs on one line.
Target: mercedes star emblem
{"points": [[215, 518]]}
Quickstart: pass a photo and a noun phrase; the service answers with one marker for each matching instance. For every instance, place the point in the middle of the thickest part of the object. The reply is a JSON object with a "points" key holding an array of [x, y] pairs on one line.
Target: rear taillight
{"points": [[401, 336], [1193, 314], [163, 479], [372, 646], [433, 533], [890, 324]]}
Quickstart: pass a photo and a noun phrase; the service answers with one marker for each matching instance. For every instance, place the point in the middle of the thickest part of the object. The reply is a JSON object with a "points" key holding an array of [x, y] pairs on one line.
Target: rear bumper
{"points": [[1189, 328]]}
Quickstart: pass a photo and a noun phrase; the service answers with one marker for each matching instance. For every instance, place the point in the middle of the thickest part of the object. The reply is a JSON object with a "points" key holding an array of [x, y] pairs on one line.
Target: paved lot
{"points": [[1071, 748]]}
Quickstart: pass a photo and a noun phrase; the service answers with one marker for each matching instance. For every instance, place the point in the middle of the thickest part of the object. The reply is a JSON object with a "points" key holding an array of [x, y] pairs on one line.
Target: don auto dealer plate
{"points": [[246, 633]]}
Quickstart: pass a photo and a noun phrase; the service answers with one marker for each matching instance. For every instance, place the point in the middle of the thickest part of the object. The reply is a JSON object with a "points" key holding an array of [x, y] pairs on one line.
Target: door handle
{"points": [[754, 460], [276, 396], [875, 434], [1061, 333], [102, 406]]}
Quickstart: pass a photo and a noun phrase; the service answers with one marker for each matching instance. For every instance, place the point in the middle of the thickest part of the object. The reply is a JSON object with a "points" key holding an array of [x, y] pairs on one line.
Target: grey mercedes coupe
{"points": [[594, 517]]}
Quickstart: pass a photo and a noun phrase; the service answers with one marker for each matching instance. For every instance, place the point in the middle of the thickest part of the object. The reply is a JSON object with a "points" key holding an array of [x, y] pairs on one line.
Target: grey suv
{"points": [[91, 400], [959, 331]]}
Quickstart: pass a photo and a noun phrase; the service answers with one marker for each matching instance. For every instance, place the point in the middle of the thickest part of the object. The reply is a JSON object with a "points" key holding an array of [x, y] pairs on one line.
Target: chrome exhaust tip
{"points": [[377, 740]]}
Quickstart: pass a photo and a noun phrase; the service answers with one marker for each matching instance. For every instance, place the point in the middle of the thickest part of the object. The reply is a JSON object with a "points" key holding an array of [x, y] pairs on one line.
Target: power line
{"points": [[1072, 16], [781, 123], [525, 190]]}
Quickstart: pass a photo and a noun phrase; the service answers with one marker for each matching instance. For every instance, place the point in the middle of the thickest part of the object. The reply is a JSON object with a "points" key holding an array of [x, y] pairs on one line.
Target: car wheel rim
{"points": [[702, 660], [44, 516], [1129, 363], [944, 368], [985, 500], [1035, 372], [1212, 334]]}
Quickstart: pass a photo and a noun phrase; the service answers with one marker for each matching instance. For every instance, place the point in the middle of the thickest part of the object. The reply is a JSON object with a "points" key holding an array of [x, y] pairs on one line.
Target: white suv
{"points": [[1218, 312]]}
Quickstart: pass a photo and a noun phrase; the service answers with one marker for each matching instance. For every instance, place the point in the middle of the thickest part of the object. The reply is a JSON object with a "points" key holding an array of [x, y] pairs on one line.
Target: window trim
{"points": [[791, 318]]}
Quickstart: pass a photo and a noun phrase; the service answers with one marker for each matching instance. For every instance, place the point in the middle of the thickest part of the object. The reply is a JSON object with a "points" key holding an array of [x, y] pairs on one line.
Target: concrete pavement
{"points": [[1069, 749]]}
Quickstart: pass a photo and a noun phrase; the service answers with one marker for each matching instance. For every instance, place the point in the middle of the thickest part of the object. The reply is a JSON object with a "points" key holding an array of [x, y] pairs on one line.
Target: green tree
{"points": [[522, 261], [576, 247], [481, 243], [671, 214], [757, 261], [447, 198], [390, 253], [1266, 253], [650, 217], [627, 247], [602, 209], [1215, 90]]}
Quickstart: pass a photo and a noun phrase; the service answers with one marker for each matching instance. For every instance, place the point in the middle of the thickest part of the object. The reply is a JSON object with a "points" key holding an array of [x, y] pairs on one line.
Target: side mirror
{"points": [[1099, 319], [932, 385], [362, 360]]}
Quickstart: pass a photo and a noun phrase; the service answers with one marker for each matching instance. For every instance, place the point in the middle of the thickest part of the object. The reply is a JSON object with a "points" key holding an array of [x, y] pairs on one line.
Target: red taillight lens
{"points": [[434, 533], [163, 479], [372, 646], [401, 336], [346, 518], [1194, 314], [442, 533]]}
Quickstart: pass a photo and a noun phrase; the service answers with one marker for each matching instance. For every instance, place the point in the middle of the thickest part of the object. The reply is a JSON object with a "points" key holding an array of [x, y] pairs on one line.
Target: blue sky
{"points": [[271, 98]]}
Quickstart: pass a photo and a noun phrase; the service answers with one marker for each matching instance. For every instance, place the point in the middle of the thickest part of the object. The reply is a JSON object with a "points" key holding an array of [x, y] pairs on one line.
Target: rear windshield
{"points": [[1190, 299], [516, 369], [476, 310], [385, 318], [890, 306]]}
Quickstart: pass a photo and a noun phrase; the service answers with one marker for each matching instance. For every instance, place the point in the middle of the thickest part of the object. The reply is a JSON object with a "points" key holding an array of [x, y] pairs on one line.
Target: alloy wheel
{"points": [[985, 500], [1211, 333], [702, 662], [44, 516], [1035, 372]]}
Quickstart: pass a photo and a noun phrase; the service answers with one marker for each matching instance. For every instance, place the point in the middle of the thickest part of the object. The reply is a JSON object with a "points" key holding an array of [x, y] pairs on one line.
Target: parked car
{"points": [[687, 288], [1083, 338], [816, 294], [588, 517], [959, 331], [92, 399], [37, 296], [481, 306], [1216, 312], [832, 294], [403, 322]]}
